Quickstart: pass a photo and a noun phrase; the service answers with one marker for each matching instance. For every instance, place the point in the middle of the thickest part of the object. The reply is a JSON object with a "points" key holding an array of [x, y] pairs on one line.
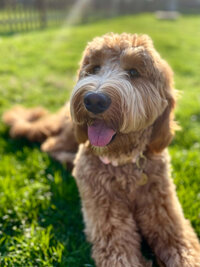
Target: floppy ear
{"points": [[80, 133], [163, 129], [164, 126]]}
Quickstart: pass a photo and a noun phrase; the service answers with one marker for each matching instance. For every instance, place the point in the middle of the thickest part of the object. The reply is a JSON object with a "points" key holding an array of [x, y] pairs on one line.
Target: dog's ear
{"points": [[165, 126], [80, 133], [163, 129]]}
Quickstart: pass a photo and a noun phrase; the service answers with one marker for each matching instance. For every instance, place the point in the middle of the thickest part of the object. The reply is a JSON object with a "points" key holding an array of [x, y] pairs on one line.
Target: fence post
{"points": [[41, 6]]}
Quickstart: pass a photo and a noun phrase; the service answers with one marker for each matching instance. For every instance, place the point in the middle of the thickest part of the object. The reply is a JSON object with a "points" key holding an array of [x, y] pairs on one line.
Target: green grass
{"points": [[40, 217]]}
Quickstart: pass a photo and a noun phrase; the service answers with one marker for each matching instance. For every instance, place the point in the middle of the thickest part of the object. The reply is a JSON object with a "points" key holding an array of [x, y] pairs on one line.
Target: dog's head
{"points": [[123, 87]]}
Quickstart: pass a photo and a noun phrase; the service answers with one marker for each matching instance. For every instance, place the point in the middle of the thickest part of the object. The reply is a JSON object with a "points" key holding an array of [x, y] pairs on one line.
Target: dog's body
{"points": [[122, 113]]}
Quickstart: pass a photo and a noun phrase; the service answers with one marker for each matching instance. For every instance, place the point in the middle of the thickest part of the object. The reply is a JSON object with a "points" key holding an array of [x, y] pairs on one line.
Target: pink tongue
{"points": [[99, 134]]}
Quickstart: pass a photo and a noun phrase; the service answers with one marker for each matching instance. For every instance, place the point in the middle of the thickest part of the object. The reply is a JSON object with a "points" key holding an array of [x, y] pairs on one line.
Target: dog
{"points": [[116, 131]]}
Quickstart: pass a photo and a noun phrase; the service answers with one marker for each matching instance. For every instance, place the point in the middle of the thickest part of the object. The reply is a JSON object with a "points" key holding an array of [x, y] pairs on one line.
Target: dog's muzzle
{"points": [[96, 102]]}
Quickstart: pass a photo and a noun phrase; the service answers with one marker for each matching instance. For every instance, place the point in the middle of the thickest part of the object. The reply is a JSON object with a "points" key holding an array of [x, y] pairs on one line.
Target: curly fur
{"points": [[118, 209]]}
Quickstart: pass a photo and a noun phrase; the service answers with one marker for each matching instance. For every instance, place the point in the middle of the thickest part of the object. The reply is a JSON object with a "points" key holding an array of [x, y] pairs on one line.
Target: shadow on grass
{"points": [[11, 33], [65, 216], [63, 209]]}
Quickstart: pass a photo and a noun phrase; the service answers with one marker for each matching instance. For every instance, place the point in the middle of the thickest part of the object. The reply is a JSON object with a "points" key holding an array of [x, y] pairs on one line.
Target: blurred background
{"points": [[23, 15], [41, 43]]}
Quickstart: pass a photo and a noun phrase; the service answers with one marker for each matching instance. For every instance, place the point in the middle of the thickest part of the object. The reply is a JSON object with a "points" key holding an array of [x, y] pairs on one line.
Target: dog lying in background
{"points": [[56, 132], [121, 123]]}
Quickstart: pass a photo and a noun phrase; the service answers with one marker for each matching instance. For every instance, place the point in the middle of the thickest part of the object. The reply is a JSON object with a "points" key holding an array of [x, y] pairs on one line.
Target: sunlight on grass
{"points": [[74, 16]]}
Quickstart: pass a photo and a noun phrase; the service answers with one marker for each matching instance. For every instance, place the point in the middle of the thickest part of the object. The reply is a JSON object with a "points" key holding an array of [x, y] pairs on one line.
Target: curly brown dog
{"points": [[122, 112]]}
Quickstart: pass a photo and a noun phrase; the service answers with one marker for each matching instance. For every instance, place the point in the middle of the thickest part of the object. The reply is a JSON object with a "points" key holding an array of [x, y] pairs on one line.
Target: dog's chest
{"points": [[123, 181]]}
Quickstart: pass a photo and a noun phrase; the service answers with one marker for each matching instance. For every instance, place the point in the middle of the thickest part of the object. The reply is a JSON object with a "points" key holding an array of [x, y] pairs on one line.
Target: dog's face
{"points": [[123, 87]]}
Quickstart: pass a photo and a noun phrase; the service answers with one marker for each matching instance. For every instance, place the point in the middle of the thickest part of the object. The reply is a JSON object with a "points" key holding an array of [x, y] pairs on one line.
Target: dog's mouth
{"points": [[100, 134]]}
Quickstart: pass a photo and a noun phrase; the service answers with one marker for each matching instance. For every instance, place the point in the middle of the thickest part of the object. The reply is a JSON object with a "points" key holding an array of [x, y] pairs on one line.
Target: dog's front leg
{"points": [[161, 221], [110, 225], [111, 229]]}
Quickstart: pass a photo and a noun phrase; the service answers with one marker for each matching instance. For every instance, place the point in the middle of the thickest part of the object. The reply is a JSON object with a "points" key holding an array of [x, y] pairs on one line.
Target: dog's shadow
{"points": [[63, 211]]}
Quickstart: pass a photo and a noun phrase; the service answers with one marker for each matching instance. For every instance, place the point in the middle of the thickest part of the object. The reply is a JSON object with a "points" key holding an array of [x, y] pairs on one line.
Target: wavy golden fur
{"points": [[119, 206]]}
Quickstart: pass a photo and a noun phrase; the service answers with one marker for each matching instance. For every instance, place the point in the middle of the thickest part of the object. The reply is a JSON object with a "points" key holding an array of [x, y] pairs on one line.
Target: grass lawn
{"points": [[40, 217]]}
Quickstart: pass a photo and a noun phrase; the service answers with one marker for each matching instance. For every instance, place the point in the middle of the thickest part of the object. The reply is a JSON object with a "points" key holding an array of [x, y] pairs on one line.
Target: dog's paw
{"points": [[50, 145]]}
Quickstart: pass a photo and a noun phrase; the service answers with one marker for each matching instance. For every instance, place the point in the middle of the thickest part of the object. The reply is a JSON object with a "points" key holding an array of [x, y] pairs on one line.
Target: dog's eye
{"points": [[133, 73], [96, 69]]}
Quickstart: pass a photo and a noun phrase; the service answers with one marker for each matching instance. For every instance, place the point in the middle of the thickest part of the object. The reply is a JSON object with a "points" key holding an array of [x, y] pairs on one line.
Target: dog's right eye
{"points": [[95, 69], [133, 73]]}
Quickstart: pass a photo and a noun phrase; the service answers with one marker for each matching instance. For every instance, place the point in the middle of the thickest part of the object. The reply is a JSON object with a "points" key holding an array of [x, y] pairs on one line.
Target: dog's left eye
{"points": [[96, 69], [133, 73]]}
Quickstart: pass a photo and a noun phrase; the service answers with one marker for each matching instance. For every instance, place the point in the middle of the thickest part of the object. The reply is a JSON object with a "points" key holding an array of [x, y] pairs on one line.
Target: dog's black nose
{"points": [[96, 102]]}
